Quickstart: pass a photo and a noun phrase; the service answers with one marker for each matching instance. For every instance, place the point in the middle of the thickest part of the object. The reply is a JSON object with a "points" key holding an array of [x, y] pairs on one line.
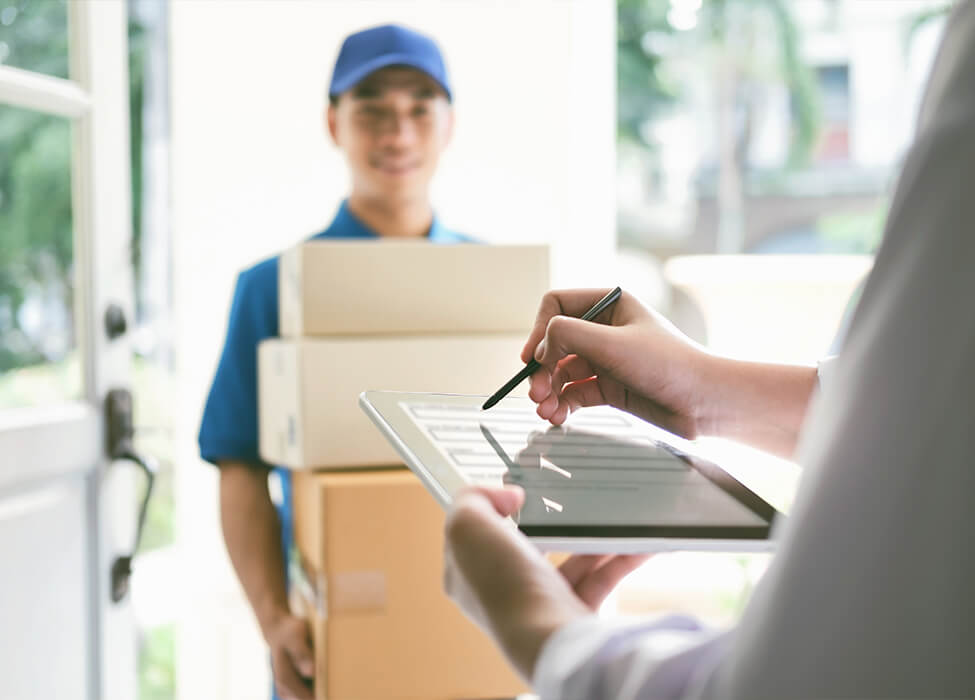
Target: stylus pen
{"points": [[597, 309]]}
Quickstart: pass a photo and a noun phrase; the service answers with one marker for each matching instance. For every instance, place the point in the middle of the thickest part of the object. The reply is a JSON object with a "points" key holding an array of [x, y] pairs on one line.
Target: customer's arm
{"points": [[636, 360], [253, 536]]}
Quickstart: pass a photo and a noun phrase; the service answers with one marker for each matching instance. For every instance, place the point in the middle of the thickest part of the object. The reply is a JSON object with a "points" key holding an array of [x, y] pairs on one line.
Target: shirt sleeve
{"points": [[229, 427], [625, 660], [824, 371]]}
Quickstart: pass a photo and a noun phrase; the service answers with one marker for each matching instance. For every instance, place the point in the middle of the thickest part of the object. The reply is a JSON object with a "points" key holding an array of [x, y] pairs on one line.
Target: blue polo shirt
{"points": [[229, 427]]}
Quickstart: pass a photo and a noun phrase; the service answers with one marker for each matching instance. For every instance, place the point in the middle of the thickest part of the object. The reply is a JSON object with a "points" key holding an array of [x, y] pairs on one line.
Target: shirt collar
{"points": [[346, 225]]}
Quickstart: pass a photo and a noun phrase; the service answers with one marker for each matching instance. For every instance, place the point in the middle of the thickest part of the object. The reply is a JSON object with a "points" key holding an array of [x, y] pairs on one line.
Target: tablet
{"points": [[604, 482]]}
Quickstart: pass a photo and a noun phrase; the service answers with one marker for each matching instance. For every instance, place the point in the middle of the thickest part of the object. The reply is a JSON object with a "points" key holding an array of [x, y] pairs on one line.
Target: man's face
{"points": [[392, 126]]}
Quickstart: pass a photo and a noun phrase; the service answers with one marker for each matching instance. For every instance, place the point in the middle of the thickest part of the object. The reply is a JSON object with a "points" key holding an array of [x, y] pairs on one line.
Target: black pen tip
{"points": [[490, 402]]}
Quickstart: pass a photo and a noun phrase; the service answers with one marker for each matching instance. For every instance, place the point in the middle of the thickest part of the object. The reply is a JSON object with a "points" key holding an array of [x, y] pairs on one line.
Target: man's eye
{"points": [[421, 111]]}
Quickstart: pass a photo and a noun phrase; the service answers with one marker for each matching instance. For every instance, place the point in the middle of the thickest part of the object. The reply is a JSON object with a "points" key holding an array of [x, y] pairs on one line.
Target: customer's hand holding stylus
{"points": [[633, 358], [533, 365], [584, 363]]}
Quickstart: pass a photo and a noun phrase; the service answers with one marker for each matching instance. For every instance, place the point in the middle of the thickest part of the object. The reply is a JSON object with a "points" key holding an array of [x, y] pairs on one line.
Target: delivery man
{"points": [[390, 113]]}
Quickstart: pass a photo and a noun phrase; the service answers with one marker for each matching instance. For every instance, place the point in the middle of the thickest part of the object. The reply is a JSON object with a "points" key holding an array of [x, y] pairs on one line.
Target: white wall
{"points": [[252, 172]]}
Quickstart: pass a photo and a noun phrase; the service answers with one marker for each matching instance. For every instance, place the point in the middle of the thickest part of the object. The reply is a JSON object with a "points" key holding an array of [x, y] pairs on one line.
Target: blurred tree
{"points": [[730, 38], [641, 91], [736, 28], [35, 184]]}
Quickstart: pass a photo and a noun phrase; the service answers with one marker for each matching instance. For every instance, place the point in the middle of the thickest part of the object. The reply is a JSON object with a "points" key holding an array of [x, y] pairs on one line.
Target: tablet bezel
{"points": [[443, 480]]}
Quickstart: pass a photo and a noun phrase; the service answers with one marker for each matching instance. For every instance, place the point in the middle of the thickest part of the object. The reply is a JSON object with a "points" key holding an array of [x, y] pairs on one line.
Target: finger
{"points": [[556, 411], [570, 397], [593, 392], [540, 385], [302, 657], [487, 554], [598, 583], [477, 515], [561, 302], [573, 336], [583, 393], [547, 408], [287, 682], [570, 369], [505, 500], [577, 566]]}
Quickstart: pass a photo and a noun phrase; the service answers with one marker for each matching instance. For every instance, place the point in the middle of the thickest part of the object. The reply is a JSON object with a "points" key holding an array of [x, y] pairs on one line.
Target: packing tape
{"points": [[357, 591]]}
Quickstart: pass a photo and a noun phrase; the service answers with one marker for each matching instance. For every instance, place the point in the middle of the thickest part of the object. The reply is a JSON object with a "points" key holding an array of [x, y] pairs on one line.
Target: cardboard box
{"points": [[390, 287], [371, 547], [308, 390]]}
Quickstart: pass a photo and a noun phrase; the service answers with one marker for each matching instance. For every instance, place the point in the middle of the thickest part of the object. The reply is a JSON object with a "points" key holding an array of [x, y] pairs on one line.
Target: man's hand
{"points": [[292, 660], [505, 585], [253, 536], [594, 576], [632, 358]]}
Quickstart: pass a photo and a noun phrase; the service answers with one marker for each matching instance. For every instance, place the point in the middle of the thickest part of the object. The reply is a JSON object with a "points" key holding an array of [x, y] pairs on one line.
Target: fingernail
{"points": [[540, 351]]}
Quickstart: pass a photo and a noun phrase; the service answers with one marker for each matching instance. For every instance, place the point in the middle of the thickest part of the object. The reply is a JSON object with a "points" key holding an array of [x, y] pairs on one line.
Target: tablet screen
{"points": [[603, 473]]}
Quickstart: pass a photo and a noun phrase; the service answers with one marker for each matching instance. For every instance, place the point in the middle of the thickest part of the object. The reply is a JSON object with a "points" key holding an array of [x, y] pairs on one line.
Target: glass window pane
{"points": [[34, 35], [39, 359]]}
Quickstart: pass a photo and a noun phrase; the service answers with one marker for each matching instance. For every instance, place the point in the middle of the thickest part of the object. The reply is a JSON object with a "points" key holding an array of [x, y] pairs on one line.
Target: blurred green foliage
{"points": [[35, 224], [726, 33], [157, 664], [35, 178], [34, 35], [642, 91], [152, 392], [36, 231]]}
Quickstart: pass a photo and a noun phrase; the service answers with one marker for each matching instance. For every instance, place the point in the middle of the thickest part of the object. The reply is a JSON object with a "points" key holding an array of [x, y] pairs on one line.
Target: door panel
{"points": [[45, 638], [29, 453]]}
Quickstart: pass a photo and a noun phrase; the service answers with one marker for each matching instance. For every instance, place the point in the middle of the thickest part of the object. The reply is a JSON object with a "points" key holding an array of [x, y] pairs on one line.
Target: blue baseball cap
{"points": [[367, 51]]}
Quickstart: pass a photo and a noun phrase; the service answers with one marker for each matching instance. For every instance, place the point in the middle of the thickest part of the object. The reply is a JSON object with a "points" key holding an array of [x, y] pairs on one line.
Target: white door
{"points": [[67, 511]]}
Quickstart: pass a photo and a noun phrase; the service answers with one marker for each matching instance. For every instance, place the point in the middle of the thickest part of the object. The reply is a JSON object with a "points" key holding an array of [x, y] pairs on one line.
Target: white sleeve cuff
{"points": [[825, 369], [590, 655], [570, 647]]}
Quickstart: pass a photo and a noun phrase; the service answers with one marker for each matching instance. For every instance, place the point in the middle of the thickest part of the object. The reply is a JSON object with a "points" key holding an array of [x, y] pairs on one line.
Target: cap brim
{"points": [[355, 77]]}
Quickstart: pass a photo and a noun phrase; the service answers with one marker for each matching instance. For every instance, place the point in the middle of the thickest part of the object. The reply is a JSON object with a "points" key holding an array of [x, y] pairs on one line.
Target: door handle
{"points": [[120, 433]]}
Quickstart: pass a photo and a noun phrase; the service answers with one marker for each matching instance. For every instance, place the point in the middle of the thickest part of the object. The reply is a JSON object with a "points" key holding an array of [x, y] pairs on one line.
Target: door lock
{"points": [[115, 323]]}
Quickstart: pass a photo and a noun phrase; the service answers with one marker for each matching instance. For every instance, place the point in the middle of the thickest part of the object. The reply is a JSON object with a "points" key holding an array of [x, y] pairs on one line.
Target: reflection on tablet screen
{"points": [[605, 469]]}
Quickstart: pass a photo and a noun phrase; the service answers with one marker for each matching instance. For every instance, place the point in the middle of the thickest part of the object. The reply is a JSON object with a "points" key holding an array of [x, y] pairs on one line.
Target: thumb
{"points": [[506, 500]]}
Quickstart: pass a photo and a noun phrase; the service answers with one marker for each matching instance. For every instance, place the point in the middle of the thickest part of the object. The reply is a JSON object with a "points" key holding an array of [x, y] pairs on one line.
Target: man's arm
{"points": [[253, 536], [757, 403]]}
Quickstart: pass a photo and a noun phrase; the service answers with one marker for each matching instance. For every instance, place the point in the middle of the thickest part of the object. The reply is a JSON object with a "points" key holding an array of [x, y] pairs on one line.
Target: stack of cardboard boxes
{"points": [[406, 316]]}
